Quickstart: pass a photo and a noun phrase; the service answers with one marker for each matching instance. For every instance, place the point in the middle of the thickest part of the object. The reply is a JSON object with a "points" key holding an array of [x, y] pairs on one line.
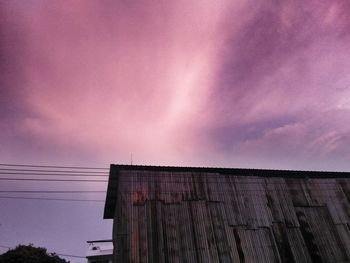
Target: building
{"points": [[185, 214], [100, 251]]}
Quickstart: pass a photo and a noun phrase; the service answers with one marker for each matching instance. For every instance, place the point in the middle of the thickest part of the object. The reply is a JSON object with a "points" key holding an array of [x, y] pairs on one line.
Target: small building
{"points": [[100, 251], [186, 214]]}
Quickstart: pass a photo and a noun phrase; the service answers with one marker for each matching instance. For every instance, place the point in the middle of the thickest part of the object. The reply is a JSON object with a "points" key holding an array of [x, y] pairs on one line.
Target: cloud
{"points": [[109, 78], [200, 82], [285, 68]]}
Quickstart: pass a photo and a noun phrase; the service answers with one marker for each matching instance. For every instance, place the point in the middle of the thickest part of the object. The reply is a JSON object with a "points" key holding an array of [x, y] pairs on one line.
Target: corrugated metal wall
{"points": [[208, 217]]}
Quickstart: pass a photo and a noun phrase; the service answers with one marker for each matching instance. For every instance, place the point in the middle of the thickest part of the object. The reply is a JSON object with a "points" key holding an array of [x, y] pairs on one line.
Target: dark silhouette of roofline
{"points": [[99, 241], [242, 171], [115, 168]]}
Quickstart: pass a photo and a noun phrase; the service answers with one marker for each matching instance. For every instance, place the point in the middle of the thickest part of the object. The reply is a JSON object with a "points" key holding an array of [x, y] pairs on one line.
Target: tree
{"points": [[30, 254]]}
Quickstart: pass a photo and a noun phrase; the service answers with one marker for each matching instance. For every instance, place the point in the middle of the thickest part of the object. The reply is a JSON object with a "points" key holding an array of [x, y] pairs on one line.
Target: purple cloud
{"points": [[232, 83]]}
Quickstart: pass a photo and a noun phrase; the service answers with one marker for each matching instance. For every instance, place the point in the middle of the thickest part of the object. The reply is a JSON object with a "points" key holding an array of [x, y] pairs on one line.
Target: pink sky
{"points": [[233, 83], [210, 83]]}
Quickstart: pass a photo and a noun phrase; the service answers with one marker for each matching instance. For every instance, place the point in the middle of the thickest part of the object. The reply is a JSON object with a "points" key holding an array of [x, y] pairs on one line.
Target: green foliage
{"points": [[30, 254]]}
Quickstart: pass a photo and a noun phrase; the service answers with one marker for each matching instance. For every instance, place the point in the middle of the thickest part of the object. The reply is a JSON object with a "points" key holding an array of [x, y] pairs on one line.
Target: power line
{"points": [[51, 180], [51, 192], [54, 166], [53, 174], [41, 170], [51, 199]]}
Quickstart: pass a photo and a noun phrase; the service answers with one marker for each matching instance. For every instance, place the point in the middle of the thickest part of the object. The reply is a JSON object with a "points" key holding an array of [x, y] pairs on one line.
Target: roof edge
{"points": [[229, 170], [99, 241]]}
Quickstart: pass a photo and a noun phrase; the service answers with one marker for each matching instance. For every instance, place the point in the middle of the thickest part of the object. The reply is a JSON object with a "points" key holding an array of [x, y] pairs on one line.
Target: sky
{"points": [[258, 84]]}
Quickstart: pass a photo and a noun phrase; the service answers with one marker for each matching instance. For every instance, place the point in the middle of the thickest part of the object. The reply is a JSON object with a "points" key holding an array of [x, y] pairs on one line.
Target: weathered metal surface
{"points": [[208, 216]]}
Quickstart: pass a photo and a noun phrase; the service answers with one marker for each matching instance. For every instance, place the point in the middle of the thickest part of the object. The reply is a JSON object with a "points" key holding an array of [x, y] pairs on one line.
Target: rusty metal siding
{"points": [[188, 216]]}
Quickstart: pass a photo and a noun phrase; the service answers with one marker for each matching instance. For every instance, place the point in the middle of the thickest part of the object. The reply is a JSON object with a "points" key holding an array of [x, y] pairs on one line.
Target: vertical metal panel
{"points": [[150, 228], [258, 245], [160, 233], [216, 187], [143, 237], [320, 234], [225, 244], [122, 228], [186, 230], [331, 194], [251, 202], [235, 203], [344, 235], [212, 244], [200, 234], [171, 237], [135, 250], [290, 244], [188, 216], [280, 202], [295, 186]]}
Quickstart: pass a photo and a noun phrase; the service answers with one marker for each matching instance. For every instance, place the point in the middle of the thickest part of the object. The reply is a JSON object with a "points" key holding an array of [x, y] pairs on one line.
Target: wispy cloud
{"points": [[234, 83], [283, 72]]}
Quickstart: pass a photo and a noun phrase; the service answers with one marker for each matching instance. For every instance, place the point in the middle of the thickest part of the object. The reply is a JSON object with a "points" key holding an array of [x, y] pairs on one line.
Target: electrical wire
{"points": [[54, 174], [51, 199], [54, 166], [52, 170], [51, 180], [59, 171], [51, 192]]}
